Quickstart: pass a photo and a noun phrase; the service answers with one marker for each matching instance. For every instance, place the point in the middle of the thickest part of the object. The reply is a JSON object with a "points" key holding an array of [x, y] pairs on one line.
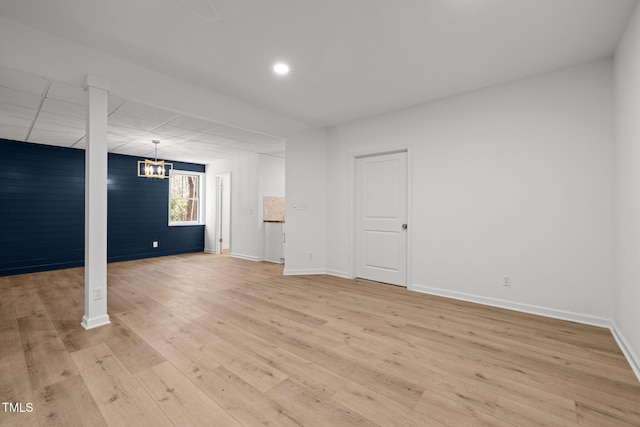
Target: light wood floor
{"points": [[216, 341]]}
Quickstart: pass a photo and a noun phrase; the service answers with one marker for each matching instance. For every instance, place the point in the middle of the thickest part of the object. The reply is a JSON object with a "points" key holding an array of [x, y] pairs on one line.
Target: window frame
{"points": [[200, 198]]}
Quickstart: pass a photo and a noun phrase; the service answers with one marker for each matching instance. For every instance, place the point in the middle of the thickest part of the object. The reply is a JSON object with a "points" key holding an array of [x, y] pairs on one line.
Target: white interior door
{"points": [[381, 218]]}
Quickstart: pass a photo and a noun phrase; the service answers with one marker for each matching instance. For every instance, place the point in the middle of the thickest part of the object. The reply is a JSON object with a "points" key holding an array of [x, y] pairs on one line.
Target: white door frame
{"points": [[353, 232], [218, 223]]}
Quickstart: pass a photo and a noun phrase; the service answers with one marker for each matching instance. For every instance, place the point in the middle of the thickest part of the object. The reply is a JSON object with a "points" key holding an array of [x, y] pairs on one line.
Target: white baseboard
{"points": [[210, 251], [510, 305], [628, 352], [94, 322], [344, 275], [247, 257], [303, 272]]}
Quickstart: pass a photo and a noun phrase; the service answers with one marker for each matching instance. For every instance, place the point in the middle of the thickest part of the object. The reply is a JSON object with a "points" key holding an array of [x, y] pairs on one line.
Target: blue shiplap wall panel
{"points": [[42, 210], [138, 214]]}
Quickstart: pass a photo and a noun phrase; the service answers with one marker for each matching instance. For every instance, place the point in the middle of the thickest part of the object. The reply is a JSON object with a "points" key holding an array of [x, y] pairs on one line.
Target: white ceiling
{"points": [[35, 109], [350, 58]]}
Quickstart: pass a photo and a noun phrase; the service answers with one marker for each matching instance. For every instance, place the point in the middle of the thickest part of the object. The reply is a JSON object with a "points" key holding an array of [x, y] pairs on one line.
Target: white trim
{"points": [[94, 322], [247, 257], [409, 216], [303, 272], [219, 205], [510, 305], [627, 350], [96, 203], [343, 274], [201, 197], [210, 251]]}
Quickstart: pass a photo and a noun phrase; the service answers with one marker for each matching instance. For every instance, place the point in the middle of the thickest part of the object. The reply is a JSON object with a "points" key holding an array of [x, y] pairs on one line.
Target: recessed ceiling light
{"points": [[281, 69]]}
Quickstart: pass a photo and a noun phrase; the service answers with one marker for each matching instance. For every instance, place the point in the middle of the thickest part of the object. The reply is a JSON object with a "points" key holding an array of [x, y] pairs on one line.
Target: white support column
{"points": [[95, 213]]}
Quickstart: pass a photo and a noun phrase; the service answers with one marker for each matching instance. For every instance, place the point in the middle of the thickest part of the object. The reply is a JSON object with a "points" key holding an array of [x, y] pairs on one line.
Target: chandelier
{"points": [[154, 168]]}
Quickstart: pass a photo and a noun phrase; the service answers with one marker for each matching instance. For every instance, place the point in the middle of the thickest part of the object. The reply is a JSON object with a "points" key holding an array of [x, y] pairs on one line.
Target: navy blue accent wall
{"points": [[42, 210], [41, 207], [138, 214]]}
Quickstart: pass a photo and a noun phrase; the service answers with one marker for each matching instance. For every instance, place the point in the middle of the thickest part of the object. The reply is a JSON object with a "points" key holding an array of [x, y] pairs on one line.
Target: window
{"points": [[186, 198]]}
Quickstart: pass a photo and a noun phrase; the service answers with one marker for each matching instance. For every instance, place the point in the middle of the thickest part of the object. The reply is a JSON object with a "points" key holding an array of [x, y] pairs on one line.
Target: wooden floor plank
{"points": [[181, 400], [307, 373], [26, 300], [15, 384], [67, 403], [119, 396], [384, 411], [307, 408], [244, 402], [133, 352], [525, 416], [255, 347], [189, 360], [595, 415], [47, 358]]}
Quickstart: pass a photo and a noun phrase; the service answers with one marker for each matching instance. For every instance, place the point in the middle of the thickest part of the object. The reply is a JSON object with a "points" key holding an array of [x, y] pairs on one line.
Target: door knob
{"points": [[404, 226]]}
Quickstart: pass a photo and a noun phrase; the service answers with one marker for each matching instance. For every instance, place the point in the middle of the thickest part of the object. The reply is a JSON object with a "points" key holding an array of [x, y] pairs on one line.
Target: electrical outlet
{"points": [[155, 243], [506, 281], [98, 293]]}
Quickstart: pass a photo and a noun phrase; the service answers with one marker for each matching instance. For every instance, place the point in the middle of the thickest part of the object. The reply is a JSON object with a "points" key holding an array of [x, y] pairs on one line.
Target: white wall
{"points": [[271, 178], [252, 177], [627, 191], [306, 203], [226, 211], [244, 206], [512, 180]]}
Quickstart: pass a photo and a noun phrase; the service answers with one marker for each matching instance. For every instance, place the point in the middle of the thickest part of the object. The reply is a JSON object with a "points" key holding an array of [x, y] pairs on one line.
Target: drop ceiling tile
{"points": [[146, 112], [117, 139], [165, 140], [6, 120], [22, 82], [65, 108], [233, 133], [213, 139], [134, 150], [264, 139], [125, 132], [114, 103], [68, 93], [15, 133], [132, 122], [72, 122], [176, 131], [193, 123], [18, 112], [81, 143], [58, 128], [244, 146], [208, 151], [172, 153], [18, 98], [64, 139]]}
